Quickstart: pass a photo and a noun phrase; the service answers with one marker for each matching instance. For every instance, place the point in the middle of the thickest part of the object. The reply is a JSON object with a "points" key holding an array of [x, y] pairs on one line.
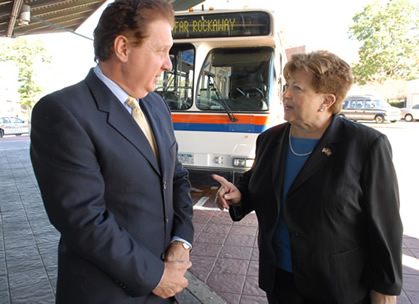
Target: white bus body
{"points": [[224, 88]]}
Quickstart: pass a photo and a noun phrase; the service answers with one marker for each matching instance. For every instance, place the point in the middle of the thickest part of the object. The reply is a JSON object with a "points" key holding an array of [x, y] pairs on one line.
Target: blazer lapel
{"points": [[320, 156], [279, 161], [156, 127], [119, 118]]}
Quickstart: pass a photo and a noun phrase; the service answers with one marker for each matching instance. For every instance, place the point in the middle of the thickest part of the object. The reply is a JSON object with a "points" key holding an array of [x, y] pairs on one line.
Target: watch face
{"points": [[186, 246]]}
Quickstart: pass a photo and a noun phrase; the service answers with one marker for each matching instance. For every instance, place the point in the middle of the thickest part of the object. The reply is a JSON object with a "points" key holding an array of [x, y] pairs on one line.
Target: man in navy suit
{"points": [[124, 212]]}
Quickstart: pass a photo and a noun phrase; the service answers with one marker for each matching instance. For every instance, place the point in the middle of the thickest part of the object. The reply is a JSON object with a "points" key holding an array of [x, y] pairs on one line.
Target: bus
{"points": [[224, 88]]}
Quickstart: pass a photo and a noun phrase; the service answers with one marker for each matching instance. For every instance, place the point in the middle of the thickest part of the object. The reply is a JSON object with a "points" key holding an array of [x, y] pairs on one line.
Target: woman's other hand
{"points": [[379, 298]]}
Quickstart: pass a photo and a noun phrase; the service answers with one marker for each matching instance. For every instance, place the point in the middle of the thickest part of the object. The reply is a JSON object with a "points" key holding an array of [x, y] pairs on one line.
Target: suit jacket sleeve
{"points": [[66, 165], [381, 202]]}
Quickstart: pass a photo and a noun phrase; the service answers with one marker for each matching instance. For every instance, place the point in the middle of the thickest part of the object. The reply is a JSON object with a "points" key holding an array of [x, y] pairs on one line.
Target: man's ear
{"points": [[121, 46]]}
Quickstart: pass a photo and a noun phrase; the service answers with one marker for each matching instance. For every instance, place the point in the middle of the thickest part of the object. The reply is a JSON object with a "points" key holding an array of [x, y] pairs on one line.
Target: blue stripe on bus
{"points": [[239, 128]]}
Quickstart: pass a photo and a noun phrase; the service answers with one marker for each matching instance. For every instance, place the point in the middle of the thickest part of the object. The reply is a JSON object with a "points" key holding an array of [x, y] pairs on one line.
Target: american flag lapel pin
{"points": [[327, 151]]}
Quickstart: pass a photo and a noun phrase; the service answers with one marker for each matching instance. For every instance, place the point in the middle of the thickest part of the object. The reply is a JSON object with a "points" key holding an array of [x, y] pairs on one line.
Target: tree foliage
{"points": [[26, 56], [389, 35]]}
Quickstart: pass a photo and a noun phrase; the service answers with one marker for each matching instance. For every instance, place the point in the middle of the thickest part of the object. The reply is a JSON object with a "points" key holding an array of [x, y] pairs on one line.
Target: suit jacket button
{"points": [[164, 185]]}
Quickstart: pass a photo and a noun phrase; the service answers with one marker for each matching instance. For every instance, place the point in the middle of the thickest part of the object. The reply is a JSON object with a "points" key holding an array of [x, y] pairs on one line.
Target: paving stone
{"points": [[211, 237], [231, 266], [17, 239], [231, 298], [246, 299], [202, 266], [27, 278], [20, 259], [4, 297], [236, 252], [231, 283], [251, 287], [240, 240], [204, 249], [33, 294], [410, 282]]}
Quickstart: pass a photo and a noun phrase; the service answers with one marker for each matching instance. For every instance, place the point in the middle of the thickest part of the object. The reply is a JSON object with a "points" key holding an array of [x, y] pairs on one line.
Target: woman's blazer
{"points": [[117, 207], [342, 212]]}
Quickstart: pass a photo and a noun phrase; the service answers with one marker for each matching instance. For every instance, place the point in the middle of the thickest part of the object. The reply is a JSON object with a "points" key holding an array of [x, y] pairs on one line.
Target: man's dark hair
{"points": [[130, 18]]}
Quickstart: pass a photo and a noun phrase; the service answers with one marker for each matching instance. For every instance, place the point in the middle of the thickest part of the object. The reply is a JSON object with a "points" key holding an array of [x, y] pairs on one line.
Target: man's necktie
{"points": [[139, 117]]}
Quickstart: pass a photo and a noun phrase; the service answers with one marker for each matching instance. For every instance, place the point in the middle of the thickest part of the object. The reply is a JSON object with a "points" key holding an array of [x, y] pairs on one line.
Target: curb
{"points": [[198, 292]]}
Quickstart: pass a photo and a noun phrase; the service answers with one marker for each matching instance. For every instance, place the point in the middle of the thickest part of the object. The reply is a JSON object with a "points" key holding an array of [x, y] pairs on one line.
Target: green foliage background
{"points": [[24, 55], [390, 41]]}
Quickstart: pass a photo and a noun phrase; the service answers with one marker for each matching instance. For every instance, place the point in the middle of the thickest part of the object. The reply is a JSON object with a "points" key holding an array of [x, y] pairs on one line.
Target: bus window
{"points": [[235, 80], [176, 86]]}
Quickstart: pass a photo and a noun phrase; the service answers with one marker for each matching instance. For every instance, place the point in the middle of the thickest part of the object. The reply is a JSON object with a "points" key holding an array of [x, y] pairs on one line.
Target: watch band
{"points": [[184, 245]]}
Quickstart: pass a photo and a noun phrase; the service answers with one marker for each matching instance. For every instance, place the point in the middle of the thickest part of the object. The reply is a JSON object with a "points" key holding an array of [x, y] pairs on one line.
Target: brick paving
{"points": [[224, 257]]}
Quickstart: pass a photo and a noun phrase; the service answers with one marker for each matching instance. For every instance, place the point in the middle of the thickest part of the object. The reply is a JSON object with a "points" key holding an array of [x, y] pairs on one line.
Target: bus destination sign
{"points": [[234, 24]]}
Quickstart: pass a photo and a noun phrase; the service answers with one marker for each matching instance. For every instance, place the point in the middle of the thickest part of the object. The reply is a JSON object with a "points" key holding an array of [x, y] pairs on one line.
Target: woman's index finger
{"points": [[220, 179]]}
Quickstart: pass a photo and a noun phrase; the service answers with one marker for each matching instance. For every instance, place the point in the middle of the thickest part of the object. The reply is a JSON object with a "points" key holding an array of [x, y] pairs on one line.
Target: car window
{"points": [[346, 103], [16, 120], [369, 104], [381, 103], [416, 107], [359, 104]]}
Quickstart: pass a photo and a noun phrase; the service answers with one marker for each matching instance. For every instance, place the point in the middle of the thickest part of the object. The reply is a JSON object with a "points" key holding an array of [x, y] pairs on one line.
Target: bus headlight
{"points": [[239, 162], [242, 162]]}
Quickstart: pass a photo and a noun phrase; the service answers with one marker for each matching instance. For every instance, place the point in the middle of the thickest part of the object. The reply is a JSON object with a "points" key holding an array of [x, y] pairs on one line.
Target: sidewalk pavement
{"points": [[224, 256]]}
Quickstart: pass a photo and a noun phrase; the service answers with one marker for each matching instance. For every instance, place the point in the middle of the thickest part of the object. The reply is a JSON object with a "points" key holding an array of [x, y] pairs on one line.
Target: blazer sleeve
{"points": [[240, 210], [385, 231], [72, 187]]}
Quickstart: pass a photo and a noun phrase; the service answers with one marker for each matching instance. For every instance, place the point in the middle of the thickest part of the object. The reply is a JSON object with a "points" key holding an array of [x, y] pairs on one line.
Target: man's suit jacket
{"points": [[342, 212], [116, 206]]}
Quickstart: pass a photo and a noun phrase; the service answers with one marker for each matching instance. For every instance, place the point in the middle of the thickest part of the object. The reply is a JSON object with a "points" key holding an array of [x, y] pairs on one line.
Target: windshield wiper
{"points": [[223, 101]]}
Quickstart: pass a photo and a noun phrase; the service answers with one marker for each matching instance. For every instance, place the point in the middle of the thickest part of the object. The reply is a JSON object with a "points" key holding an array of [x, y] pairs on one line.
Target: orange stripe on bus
{"points": [[220, 119]]}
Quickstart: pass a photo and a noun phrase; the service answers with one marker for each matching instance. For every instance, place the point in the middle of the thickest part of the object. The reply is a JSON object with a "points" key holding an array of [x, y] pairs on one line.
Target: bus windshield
{"points": [[236, 80], [231, 79]]}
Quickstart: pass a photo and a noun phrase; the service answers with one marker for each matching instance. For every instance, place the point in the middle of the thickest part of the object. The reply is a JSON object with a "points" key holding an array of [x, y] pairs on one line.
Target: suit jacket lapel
{"points": [[279, 161], [319, 157], [156, 127], [119, 118]]}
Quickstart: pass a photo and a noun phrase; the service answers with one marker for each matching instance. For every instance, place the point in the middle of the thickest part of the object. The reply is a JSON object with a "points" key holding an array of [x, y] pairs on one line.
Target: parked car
{"points": [[411, 113], [369, 107], [13, 126]]}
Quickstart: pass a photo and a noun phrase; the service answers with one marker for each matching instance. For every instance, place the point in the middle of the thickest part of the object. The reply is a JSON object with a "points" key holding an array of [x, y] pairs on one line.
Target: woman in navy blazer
{"points": [[125, 215], [325, 193]]}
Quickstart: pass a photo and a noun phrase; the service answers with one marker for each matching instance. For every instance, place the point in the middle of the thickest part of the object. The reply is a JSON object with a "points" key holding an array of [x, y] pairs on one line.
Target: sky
{"points": [[321, 24]]}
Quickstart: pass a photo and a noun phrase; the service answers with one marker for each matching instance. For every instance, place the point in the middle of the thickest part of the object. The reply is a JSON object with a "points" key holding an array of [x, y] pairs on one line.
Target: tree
{"points": [[390, 41], [25, 56]]}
